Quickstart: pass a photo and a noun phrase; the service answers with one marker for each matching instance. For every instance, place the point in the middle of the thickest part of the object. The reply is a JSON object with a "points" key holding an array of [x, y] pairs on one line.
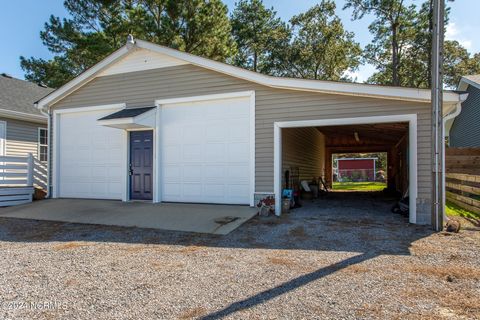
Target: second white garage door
{"points": [[91, 157], [206, 151]]}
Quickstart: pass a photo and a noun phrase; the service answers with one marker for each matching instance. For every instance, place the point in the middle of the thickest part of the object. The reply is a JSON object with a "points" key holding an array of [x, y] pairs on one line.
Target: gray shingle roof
{"points": [[19, 95], [127, 113]]}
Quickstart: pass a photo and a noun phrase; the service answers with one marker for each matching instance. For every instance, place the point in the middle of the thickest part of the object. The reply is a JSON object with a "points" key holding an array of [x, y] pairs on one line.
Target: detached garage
{"points": [[156, 124]]}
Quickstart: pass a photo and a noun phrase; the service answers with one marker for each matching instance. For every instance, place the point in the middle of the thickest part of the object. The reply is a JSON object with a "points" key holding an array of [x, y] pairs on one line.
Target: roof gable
{"points": [[141, 59], [329, 87]]}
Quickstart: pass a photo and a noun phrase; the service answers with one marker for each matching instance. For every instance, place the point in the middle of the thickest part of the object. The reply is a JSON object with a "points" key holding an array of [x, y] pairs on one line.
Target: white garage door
{"points": [[206, 151], [91, 157]]}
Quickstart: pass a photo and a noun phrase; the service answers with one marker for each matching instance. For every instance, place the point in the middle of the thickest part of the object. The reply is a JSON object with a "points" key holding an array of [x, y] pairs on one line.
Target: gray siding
{"points": [[304, 148], [22, 137], [143, 87], [465, 131]]}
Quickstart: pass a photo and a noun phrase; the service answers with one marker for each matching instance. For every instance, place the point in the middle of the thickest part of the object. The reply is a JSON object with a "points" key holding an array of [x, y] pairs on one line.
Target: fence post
{"points": [[30, 170]]}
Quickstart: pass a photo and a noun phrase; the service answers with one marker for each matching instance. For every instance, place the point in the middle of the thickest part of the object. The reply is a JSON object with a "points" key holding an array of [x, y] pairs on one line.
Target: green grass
{"points": [[454, 210], [359, 186]]}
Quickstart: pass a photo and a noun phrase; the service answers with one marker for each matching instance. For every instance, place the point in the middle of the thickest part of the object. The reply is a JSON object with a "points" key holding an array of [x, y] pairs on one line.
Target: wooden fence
{"points": [[462, 166]]}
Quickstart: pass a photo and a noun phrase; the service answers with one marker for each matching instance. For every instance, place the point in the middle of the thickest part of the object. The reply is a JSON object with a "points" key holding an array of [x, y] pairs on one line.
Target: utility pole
{"points": [[438, 143]]}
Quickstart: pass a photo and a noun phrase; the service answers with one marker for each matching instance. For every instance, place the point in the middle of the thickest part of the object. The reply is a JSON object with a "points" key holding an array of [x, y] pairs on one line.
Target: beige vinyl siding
{"points": [[144, 87], [22, 137], [304, 148]]}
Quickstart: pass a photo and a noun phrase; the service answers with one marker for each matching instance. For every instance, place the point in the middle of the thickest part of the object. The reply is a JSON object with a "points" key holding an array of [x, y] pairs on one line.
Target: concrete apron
{"points": [[201, 218]]}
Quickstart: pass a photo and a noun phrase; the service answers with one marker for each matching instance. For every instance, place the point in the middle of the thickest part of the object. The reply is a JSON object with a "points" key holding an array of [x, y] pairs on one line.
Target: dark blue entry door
{"points": [[141, 165]]}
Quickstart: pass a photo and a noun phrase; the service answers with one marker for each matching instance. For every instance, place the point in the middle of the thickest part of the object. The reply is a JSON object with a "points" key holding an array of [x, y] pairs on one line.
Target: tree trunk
{"points": [[255, 58], [395, 58], [429, 44]]}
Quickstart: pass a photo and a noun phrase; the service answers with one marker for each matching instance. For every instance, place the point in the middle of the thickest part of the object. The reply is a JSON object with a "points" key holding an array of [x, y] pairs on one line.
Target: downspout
{"points": [[450, 116], [49, 143]]}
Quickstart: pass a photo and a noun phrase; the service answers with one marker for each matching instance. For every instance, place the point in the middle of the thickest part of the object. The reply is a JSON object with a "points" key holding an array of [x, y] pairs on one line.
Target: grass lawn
{"points": [[359, 186], [453, 210]]}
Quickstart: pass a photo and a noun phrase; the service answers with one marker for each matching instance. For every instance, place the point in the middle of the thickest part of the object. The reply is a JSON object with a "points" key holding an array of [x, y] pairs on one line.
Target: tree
{"points": [[392, 26], [258, 34], [321, 48], [458, 62], [414, 67], [98, 27]]}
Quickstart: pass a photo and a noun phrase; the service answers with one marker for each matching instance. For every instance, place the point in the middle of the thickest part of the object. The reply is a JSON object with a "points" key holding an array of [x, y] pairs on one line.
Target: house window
{"points": [[43, 144]]}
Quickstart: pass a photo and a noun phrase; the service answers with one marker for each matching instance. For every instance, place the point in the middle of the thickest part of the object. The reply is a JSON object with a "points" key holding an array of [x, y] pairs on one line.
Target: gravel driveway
{"points": [[325, 260]]}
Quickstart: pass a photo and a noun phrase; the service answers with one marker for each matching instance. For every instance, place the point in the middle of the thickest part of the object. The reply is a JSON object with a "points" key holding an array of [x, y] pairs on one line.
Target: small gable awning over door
{"points": [[130, 118]]}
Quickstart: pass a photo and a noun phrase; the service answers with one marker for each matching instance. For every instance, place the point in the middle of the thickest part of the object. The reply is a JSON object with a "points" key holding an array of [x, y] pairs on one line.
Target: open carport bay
{"points": [[307, 154]]}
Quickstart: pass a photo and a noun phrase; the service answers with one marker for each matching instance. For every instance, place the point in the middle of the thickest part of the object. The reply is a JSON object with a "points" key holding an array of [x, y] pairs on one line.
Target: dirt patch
{"points": [[71, 282], [281, 261], [356, 268], [453, 302], [298, 232], [445, 272], [71, 245], [192, 313], [190, 249]]}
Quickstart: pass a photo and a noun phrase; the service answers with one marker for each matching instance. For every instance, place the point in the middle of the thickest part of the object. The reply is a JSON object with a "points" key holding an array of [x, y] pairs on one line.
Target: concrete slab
{"points": [[201, 218]]}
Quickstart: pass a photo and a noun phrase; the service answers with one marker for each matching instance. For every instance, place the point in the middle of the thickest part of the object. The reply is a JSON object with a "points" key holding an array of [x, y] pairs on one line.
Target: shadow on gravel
{"points": [[293, 284], [361, 224]]}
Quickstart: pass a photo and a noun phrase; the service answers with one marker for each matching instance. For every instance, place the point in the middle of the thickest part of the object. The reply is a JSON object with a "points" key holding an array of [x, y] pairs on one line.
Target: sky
{"points": [[22, 20]]}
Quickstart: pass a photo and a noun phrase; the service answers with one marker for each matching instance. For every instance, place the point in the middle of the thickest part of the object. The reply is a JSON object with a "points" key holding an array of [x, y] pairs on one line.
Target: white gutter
{"points": [[22, 116]]}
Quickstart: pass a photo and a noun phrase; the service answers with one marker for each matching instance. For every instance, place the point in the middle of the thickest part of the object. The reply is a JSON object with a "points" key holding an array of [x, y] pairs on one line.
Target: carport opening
{"points": [[344, 161]]}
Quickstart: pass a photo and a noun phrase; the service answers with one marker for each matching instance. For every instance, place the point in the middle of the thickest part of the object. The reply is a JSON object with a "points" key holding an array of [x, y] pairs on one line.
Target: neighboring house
{"points": [[149, 122], [464, 129], [356, 169], [23, 129]]}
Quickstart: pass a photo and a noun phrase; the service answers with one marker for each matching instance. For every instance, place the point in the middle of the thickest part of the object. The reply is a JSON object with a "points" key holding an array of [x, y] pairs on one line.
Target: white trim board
{"points": [[412, 131], [241, 94], [23, 116], [465, 82], [94, 108], [3, 141], [330, 87]]}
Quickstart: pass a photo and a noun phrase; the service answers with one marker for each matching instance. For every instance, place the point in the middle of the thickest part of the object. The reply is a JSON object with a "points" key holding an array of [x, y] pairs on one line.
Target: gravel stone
{"points": [[330, 259]]}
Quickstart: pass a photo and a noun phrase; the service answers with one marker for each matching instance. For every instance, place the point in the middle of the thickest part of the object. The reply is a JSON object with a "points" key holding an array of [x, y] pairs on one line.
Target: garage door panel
{"points": [[215, 152], [210, 161], [91, 157], [239, 152]]}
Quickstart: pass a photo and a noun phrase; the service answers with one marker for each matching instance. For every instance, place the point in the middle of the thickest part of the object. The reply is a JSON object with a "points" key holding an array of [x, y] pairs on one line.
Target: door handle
{"points": [[130, 170]]}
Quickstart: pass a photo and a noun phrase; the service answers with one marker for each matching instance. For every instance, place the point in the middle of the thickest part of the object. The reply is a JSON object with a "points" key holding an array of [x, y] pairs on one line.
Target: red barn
{"points": [[356, 169]]}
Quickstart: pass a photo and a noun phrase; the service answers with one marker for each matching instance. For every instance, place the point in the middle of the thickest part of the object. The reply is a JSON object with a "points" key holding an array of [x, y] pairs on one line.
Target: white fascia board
{"points": [[464, 83], [94, 108], [82, 79], [23, 116], [329, 87]]}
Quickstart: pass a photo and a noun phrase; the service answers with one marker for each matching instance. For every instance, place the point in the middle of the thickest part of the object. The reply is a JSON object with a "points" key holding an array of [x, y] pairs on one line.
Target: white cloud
{"points": [[362, 74], [453, 32]]}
